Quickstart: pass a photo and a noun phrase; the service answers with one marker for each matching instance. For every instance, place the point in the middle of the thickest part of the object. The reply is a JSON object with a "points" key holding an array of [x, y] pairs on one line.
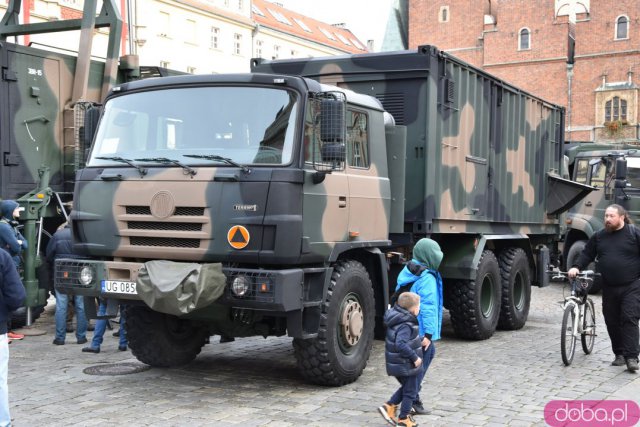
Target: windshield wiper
{"points": [[215, 157], [187, 170], [140, 169]]}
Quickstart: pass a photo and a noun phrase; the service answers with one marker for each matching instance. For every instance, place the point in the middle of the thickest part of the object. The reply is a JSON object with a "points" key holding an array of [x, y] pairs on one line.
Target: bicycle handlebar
{"points": [[583, 275]]}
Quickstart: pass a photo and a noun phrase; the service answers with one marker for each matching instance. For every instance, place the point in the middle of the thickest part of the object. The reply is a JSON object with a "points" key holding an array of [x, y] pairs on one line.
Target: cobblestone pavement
{"points": [[506, 380]]}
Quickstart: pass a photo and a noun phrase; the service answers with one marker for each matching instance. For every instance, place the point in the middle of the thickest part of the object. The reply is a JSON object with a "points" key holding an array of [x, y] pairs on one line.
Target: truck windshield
{"points": [[247, 125]]}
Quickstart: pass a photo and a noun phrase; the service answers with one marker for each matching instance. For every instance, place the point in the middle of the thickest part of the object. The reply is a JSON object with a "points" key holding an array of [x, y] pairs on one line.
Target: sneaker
{"points": [[69, 328], [91, 327], [407, 422], [58, 342], [389, 413], [419, 409], [14, 336], [618, 361], [82, 340], [90, 350], [116, 333], [632, 365], [122, 347]]}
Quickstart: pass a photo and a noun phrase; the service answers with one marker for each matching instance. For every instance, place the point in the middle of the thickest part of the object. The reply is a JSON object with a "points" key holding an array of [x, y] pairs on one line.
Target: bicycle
{"points": [[579, 317]]}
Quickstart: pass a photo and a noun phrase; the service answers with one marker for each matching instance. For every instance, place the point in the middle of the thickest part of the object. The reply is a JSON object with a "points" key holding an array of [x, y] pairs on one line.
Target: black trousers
{"points": [[621, 310]]}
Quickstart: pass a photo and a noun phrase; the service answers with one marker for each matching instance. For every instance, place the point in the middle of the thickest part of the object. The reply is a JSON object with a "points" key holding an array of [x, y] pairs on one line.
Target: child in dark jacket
{"points": [[403, 350], [10, 238]]}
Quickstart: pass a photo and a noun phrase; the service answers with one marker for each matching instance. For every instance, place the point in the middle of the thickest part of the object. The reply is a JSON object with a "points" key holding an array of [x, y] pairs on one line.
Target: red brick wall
{"points": [[541, 70]]}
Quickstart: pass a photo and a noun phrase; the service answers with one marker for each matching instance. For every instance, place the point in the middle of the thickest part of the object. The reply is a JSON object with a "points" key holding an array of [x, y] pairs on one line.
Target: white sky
{"points": [[367, 19]]}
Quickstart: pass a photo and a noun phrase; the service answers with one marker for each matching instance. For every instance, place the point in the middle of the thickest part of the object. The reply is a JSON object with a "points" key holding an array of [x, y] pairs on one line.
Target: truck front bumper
{"points": [[266, 290]]}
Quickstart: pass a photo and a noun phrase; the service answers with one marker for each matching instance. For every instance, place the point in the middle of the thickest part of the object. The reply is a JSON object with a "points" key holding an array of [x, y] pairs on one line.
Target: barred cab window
{"points": [[358, 139]]}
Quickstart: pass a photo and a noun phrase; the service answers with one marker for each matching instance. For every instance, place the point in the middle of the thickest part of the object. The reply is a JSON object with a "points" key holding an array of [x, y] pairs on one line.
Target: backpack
{"points": [[416, 270]]}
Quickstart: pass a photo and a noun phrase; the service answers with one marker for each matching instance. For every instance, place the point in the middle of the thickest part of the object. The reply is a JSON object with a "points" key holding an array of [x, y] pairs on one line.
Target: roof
{"points": [[276, 17]]}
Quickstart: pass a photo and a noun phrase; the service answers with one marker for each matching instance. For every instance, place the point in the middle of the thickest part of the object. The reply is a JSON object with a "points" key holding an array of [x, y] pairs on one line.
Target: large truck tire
{"points": [[572, 256], [162, 340], [340, 352], [516, 289], [474, 305]]}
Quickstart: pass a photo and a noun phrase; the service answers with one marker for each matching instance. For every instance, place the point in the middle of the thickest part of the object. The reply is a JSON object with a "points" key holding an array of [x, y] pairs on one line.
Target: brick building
{"points": [[525, 43]]}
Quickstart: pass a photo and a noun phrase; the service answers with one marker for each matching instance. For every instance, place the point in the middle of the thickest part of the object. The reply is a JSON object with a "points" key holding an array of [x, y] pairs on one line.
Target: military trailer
{"points": [[614, 170], [275, 204]]}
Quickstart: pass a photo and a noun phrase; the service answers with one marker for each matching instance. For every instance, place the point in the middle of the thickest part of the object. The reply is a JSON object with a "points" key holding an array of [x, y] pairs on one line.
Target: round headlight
{"points": [[86, 275], [240, 285]]}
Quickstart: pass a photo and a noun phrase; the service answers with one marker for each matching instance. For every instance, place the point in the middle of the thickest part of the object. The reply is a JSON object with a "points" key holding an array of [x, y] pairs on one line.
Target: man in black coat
{"points": [[12, 295], [617, 247]]}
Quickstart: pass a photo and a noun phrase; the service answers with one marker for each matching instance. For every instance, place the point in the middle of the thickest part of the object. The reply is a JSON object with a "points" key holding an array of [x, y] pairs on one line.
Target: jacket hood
{"points": [[428, 253], [397, 315], [7, 207]]}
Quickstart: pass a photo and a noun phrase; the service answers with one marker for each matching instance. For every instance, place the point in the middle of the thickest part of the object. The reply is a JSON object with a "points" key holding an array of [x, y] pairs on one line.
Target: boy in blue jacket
{"points": [[402, 351], [422, 275]]}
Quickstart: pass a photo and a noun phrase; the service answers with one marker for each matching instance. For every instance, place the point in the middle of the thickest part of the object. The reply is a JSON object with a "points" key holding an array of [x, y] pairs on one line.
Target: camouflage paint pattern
{"points": [[478, 150]]}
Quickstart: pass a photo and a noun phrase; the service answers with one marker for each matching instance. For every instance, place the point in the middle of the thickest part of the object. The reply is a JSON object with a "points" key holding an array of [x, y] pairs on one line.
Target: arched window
{"points": [[615, 109], [524, 42], [622, 28]]}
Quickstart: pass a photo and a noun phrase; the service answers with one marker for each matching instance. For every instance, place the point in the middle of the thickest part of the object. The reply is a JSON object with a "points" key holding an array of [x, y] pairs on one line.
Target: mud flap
{"points": [[179, 288]]}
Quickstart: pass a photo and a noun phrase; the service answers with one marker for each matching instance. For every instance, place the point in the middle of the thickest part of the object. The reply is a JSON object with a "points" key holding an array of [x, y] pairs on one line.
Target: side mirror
{"points": [[621, 168], [621, 183], [332, 120], [91, 117], [333, 152]]}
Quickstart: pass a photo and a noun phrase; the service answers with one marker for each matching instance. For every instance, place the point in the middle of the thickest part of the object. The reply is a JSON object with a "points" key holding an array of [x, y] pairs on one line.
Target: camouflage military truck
{"points": [[615, 172], [43, 97], [273, 204]]}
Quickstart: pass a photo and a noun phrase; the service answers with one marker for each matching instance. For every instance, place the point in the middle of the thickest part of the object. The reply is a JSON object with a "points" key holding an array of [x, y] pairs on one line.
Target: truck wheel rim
{"points": [[486, 297], [518, 292], [351, 322]]}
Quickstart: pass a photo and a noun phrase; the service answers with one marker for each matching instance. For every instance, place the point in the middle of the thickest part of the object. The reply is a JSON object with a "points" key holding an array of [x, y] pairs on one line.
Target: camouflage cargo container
{"points": [[272, 204], [615, 172]]}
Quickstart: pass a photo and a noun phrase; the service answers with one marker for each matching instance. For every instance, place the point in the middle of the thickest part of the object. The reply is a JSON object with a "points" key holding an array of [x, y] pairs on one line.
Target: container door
{"points": [[33, 119]]}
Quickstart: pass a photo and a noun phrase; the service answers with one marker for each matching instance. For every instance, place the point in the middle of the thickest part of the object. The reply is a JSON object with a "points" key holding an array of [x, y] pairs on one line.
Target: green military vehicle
{"points": [[274, 204], [614, 170], [44, 96]]}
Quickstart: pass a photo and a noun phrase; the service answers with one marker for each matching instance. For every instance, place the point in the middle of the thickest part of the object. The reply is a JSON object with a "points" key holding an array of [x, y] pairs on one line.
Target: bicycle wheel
{"points": [[588, 336], [568, 338]]}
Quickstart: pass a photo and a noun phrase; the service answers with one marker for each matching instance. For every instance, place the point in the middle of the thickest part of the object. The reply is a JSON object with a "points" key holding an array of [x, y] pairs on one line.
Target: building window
{"points": [[622, 28], [293, 53], [443, 15], [191, 32], [357, 139], [215, 35], [258, 48], [615, 109], [240, 4], [276, 52], [237, 42], [164, 64], [165, 22], [524, 42], [191, 70]]}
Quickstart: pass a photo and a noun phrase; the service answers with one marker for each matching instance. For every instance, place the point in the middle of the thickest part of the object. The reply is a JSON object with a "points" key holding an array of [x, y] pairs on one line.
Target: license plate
{"points": [[118, 287]]}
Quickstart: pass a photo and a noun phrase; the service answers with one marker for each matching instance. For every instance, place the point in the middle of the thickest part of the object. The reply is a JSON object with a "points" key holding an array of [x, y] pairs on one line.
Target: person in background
{"points": [[12, 294], [617, 247], [12, 241], [101, 326], [60, 246]]}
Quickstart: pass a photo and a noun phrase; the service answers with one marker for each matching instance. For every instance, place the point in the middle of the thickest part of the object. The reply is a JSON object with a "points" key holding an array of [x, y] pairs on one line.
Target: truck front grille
{"points": [[164, 226], [165, 241], [180, 210]]}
